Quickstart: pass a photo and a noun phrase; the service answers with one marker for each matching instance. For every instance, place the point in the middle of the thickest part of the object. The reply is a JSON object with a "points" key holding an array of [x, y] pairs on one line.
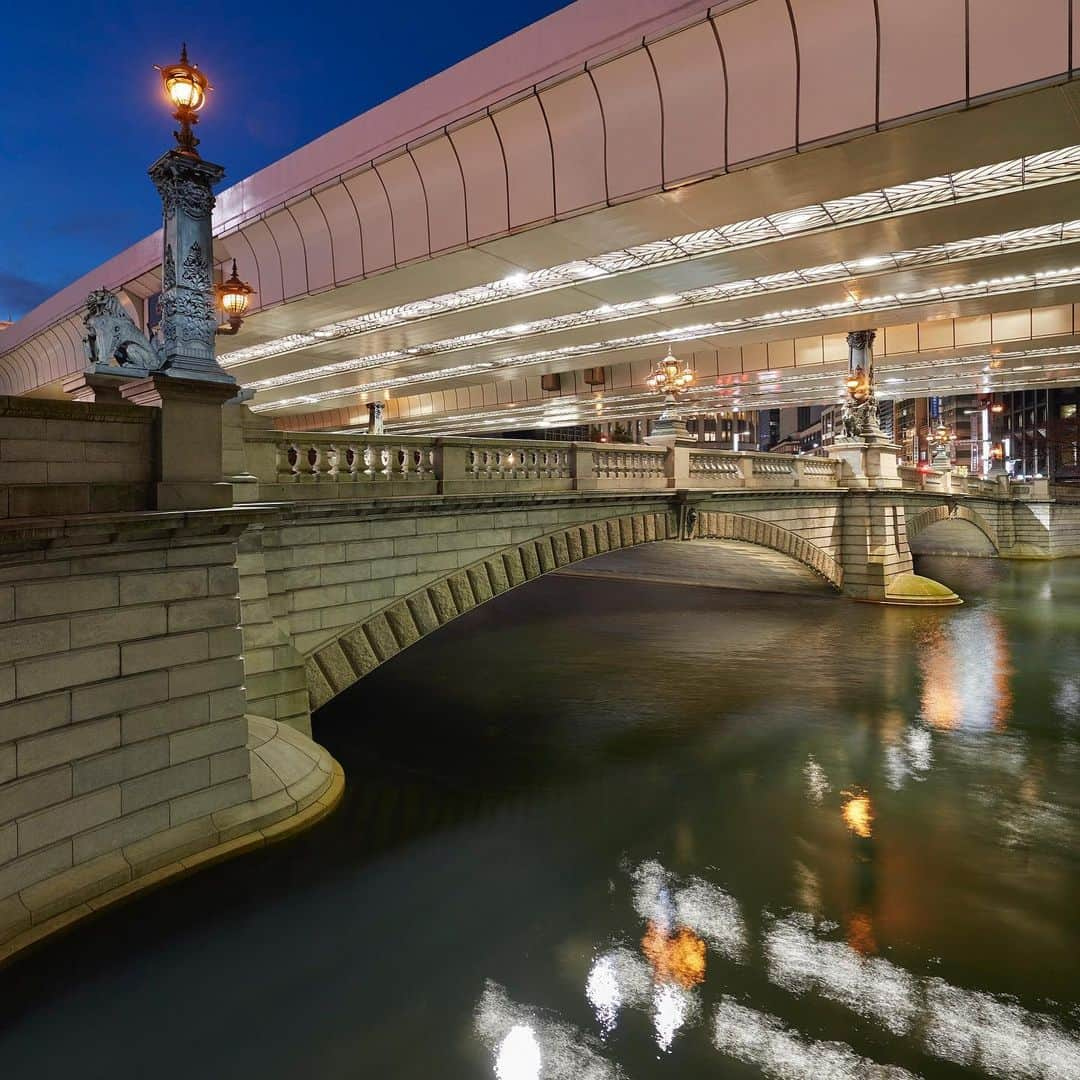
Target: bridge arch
{"points": [[949, 512], [710, 525], [337, 665]]}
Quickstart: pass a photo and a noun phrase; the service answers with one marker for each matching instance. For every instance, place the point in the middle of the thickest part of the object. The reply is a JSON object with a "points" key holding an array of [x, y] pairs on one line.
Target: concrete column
{"points": [[189, 439]]}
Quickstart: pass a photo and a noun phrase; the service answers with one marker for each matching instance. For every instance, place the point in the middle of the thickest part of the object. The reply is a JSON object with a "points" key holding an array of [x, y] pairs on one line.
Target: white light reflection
{"points": [[1002, 1039], [912, 759], [698, 905], [620, 979], [721, 328], [817, 783], [519, 1055], [602, 990], [778, 1051], [672, 1007], [798, 961], [526, 1043]]}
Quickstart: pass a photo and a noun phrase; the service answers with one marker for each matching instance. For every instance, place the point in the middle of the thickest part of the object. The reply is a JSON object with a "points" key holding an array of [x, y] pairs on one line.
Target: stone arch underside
{"points": [[936, 515], [711, 525], [336, 666]]}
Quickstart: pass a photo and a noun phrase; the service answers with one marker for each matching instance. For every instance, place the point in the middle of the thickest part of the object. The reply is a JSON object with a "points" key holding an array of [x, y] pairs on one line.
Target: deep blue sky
{"points": [[82, 117]]}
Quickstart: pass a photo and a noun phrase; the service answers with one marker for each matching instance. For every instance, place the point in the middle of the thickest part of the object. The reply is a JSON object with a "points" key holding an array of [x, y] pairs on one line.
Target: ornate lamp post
{"points": [[176, 370], [183, 346], [941, 439], [859, 414], [670, 380]]}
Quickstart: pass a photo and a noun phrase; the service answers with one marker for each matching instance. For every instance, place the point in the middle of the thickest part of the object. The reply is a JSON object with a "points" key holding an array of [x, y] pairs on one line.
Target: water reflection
{"points": [[966, 668], [965, 1027], [779, 1051], [519, 1055], [526, 1043], [858, 813]]}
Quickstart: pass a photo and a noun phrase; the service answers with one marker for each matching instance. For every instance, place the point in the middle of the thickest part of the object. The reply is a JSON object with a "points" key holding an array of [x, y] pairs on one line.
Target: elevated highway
{"points": [[745, 182]]}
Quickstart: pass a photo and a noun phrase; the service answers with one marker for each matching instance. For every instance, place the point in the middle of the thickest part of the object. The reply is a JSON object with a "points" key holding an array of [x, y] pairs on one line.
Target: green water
{"points": [[602, 829]]}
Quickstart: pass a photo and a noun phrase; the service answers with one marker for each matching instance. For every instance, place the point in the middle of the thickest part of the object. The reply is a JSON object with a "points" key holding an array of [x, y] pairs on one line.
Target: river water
{"points": [[605, 829]]}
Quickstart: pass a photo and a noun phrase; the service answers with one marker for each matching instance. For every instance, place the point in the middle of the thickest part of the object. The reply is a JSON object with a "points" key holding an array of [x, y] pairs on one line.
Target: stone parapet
{"points": [[65, 458]]}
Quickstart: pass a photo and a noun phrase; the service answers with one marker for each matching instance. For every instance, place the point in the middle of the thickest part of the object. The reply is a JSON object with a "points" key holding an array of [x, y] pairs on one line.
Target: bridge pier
{"points": [[874, 547]]}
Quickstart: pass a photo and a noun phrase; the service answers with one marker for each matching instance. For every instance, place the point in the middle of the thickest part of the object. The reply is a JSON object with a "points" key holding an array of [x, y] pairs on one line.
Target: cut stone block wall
{"points": [[61, 458], [121, 689]]}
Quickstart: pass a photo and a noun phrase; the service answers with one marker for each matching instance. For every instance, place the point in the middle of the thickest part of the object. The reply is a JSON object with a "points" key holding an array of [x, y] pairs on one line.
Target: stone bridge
{"points": [[159, 666], [376, 542]]}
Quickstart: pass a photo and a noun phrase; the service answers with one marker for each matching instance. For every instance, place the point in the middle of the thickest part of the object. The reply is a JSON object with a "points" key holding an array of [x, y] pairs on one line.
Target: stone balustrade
{"points": [[290, 466], [946, 482]]}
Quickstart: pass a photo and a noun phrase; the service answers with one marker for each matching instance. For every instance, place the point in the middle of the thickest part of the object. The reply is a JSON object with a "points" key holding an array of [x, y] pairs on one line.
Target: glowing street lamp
{"points": [[668, 378], [671, 380], [233, 297], [185, 87]]}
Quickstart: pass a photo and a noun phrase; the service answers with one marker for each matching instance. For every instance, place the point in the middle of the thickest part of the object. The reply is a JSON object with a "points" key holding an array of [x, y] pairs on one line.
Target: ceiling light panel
{"points": [[1012, 283], [1065, 232], [1018, 174]]}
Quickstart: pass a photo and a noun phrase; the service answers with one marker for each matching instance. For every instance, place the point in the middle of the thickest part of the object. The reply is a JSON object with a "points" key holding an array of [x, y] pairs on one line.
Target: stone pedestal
{"points": [[94, 386], [670, 428], [189, 442], [870, 463]]}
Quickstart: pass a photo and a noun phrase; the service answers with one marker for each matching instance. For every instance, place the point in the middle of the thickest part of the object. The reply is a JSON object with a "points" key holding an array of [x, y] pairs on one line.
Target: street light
{"points": [[185, 87], [667, 378], [941, 439], [233, 297]]}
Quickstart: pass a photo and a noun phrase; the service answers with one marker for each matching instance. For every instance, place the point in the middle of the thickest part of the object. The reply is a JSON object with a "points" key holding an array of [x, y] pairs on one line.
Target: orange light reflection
{"points": [[858, 813], [679, 957]]}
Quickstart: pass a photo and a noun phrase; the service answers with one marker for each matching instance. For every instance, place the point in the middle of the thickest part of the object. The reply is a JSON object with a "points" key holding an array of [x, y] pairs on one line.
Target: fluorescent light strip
{"points": [[1018, 174], [788, 317], [815, 388], [1064, 232]]}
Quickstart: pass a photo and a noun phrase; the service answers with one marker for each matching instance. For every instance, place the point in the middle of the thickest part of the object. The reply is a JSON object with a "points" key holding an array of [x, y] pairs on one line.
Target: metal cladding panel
{"points": [[1016, 43], [926, 36], [344, 224], [759, 50], [444, 189], [690, 70], [630, 102], [291, 253], [410, 212], [527, 146], [837, 66], [577, 133], [376, 222], [318, 245], [484, 170], [264, 249], [1074, 51]]}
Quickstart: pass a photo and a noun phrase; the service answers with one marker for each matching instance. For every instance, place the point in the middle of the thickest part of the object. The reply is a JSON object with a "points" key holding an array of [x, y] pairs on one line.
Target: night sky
{"points": [[82, 115]]}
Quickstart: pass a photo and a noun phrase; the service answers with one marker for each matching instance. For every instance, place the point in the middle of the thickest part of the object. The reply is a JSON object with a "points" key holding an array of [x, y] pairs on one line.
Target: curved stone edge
{"points": [[265, 819], [915, 590]]}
